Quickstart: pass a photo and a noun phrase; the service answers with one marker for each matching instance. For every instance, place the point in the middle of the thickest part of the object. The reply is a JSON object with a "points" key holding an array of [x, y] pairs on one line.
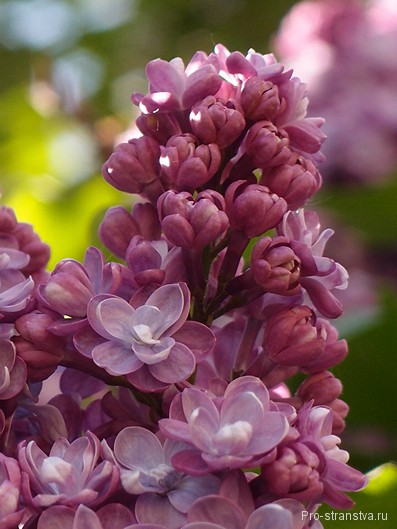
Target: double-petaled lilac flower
{"points": [[70, 475], [318, 275], [236, 432], [165, 495], [148, 340]]}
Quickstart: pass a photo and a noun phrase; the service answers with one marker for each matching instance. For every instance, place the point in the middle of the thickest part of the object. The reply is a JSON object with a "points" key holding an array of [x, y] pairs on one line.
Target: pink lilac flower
{"points": [[238, 431], [150, 342], [165, 495], [70, 475]]}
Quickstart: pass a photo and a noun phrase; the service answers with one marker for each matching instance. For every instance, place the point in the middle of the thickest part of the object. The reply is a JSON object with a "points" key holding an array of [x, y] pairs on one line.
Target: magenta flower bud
{"points": [[189, 222], [335, 350], [160, 127], [37, 346], [322, 388], [242, 199], [117, 229], [72, 284], [296, 183], [260, 99], [68, 290], [187, 166], [291, 337], [145, 259], [294, 474], [133, 166], [275, 266], [119, 226], [213, 122], [10, 484], [339, 412], [267, 146]]}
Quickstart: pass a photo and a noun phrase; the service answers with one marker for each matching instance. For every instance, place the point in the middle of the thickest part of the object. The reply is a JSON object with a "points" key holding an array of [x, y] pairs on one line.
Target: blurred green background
{"points": [[68, 68]]}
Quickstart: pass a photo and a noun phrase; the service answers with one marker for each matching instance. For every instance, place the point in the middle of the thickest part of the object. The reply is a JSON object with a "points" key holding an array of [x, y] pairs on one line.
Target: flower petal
{"points": [[116, 358]]}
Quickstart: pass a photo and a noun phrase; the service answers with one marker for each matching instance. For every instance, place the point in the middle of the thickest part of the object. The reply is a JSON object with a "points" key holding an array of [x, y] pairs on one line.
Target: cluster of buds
{"points": [[152, 391]]}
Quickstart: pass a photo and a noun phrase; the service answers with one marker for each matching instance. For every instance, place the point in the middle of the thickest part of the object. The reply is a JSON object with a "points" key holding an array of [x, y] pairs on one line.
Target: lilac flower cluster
{"points": [[359, 37], [151, 391]]}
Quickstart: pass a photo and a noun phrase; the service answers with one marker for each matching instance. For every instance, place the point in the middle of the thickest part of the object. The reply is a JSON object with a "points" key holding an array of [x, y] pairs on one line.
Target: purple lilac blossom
{"points": [[237, 432], [174, 398], [70, 475], [145, 337], [165, 495]]}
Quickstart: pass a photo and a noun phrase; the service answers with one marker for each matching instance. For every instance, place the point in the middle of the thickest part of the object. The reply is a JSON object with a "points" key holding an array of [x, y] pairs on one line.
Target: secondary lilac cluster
{"points": [[186, 383], [358, 37]]}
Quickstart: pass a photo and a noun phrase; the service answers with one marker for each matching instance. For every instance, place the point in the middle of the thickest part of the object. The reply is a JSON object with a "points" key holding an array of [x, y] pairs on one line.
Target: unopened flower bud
{"points": [[252, 209], [321, 387], [296, 183], [214, 122], [260, 99], [119, 226], [275, 266], [68, 290], [294, 474], [267, 146], [192, 223], [334, 352], [133, 166], [40, 349], [158, 126], [186, 165], [291, 337]]}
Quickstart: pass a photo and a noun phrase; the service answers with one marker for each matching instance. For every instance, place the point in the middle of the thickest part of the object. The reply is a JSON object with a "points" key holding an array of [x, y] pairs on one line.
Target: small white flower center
{"points": [[143, 335]]}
